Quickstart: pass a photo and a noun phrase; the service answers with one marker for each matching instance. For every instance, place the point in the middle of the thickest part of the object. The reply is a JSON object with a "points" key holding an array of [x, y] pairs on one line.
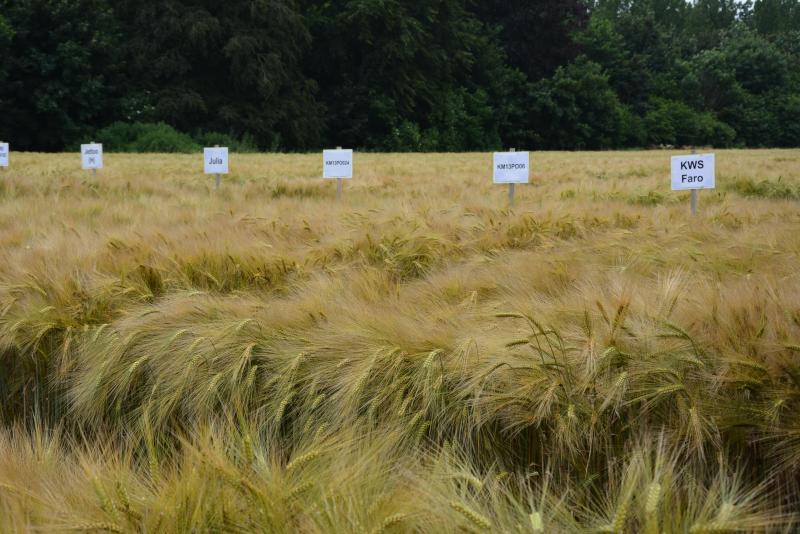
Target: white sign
{"points": [[337, 163], [693, 172], [511, 167], [3, 154], [216, 160], [92, 156]]}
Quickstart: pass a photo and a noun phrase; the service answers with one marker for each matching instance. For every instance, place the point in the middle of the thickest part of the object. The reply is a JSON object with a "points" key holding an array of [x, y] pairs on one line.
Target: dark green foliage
{"points": [[788, 110], [674, 123], [537, 35], [464, 121], [60, 64], [160, 137], [432, 75], [577, 109], [243, 145], [140, 137], [652, 198], [777, 189], [6, 35], [232, 67], [771, 17], [407, 76]]}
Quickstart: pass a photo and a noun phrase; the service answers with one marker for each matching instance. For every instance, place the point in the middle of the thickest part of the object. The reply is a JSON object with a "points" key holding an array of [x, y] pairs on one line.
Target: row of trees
{"points": [[392, 75]]}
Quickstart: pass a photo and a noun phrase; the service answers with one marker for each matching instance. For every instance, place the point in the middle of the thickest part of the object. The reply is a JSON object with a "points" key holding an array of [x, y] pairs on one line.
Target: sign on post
{"points": [[216, 162], [696, 171], [693, 172], [92, 156], [337, 165], [3, 154], [511, 168]]}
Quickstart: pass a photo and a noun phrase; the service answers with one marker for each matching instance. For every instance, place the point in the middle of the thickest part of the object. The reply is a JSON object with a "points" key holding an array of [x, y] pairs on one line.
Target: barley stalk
{"points": [[428, 363], [251, 379], [105, 501], [302, 460], [242, 324], [248, 448], [423, 428], [103, 527], [653, 498], [299, 490], [651, 508], [282, 408], [537, 524], [389, 522], [723, 522], [214, 384], [474, 517], [402, 410], [175, 336], [317, 401], [135, 365], [360, 383], [320, 431], [98, 332], [472, 479], [620, 516]]}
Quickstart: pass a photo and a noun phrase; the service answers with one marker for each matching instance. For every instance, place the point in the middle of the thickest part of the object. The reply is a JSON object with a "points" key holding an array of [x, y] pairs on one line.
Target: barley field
{"points": [[415, 358]]}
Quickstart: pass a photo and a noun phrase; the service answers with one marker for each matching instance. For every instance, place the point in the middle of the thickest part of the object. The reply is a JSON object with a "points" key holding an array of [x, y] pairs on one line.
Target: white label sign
{"points": [[216, 160], [92, 156], [3, 154], [337, 163], [511, 167], [693, 172]]}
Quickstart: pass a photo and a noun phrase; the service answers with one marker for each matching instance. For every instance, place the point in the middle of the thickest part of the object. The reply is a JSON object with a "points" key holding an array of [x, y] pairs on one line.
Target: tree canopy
{"points": [[431, 75]]}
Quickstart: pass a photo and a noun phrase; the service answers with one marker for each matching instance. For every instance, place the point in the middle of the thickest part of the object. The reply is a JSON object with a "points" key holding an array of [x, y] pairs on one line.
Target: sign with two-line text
{"points": [[696, 171], [511, 167], [3, 154], [337, 163], [216, 160], [92, 156]]}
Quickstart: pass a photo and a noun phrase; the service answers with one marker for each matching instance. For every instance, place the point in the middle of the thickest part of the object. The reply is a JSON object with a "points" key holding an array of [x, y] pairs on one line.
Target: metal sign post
{"points": [[217, 177], [339, 184], [693, 173], [511, 187]]}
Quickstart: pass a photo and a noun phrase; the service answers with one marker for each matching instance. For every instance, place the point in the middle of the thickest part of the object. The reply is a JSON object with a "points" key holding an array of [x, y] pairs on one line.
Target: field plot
{"points": [[414, 358]]}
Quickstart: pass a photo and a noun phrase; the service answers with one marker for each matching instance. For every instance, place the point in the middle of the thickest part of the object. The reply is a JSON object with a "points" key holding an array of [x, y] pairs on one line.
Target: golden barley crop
{"points": [[418, 357]]}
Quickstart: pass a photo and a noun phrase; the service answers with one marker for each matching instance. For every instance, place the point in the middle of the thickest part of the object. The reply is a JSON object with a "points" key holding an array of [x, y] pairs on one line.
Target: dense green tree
{"points": [[233, 67], [758, 65], [772, 17], [708, 20], [6, 36], [646, 52], [711, 83], [537, 35], [60, 64], [577, 109], [788, 115], [669, 122], [392, 75], [627, 72], [391, 67]]}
